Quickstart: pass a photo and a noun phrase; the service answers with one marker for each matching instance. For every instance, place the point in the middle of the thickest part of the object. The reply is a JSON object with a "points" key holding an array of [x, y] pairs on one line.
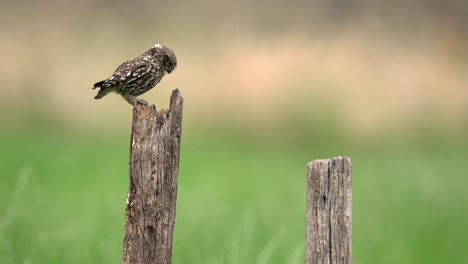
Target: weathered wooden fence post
{"points": [[154, 167], [329, 211]]}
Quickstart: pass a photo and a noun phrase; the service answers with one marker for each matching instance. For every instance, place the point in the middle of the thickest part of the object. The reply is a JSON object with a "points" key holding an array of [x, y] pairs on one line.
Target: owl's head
{"points": [[167, 56]]}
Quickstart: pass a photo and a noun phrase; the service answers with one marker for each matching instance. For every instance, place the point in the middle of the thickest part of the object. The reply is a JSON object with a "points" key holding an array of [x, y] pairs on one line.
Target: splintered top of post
{"points": [[146, 119], [176, 100], [175, 106]]}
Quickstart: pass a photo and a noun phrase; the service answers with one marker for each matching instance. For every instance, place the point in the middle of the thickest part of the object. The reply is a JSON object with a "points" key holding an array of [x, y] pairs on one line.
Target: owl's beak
{"points": [[170, 69]]}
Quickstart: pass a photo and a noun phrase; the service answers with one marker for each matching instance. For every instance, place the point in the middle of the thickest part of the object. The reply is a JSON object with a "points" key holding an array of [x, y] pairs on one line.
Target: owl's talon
{"points": [[139, 101]]}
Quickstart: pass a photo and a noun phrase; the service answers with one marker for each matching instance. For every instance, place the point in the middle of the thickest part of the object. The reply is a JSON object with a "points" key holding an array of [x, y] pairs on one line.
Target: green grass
{"points": [[63, 198]]}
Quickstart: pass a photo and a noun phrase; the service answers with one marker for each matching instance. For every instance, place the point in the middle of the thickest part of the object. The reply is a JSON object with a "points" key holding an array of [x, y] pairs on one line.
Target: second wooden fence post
{"points": [[329, 211]]}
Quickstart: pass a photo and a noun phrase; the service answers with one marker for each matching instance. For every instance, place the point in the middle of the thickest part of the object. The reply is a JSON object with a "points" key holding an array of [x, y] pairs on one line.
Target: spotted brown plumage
{"points": [[139, 75]]}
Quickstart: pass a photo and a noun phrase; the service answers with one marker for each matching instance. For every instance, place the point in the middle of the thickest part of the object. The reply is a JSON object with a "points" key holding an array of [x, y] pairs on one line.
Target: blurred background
{"points": [[268, 86]]}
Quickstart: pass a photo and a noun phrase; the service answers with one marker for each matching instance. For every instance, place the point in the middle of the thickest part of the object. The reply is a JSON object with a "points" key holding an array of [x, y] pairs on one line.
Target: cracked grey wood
{"points": [[154, 167], [328, 238]]}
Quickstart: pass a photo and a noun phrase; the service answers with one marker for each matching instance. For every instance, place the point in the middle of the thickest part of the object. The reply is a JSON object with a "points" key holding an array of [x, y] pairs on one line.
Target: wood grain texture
{"points": [[329, 195], [154, 167]]}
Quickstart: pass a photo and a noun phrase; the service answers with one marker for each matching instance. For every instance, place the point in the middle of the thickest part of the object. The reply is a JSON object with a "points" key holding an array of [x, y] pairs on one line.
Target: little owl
{"points": [[139, 75]]}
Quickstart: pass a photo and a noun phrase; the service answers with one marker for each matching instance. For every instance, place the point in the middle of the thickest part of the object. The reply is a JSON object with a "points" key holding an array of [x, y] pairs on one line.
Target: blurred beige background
{"points": [[372, 66]]}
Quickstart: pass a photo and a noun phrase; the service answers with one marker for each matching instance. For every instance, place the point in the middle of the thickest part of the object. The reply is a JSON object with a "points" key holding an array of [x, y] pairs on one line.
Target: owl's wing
{"points": [[128, 72]]}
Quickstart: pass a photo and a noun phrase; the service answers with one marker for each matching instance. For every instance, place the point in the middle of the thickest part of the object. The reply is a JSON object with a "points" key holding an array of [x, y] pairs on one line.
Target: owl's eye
{"points": [[169, 64]]}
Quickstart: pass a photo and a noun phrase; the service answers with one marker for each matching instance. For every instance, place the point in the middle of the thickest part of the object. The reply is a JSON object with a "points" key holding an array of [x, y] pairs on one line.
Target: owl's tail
{"points": [[98, 84], [102, 92]]}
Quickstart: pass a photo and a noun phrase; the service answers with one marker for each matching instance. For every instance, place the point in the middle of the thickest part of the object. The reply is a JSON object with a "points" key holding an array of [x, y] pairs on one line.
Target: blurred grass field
{"points": [[239, 200]]}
